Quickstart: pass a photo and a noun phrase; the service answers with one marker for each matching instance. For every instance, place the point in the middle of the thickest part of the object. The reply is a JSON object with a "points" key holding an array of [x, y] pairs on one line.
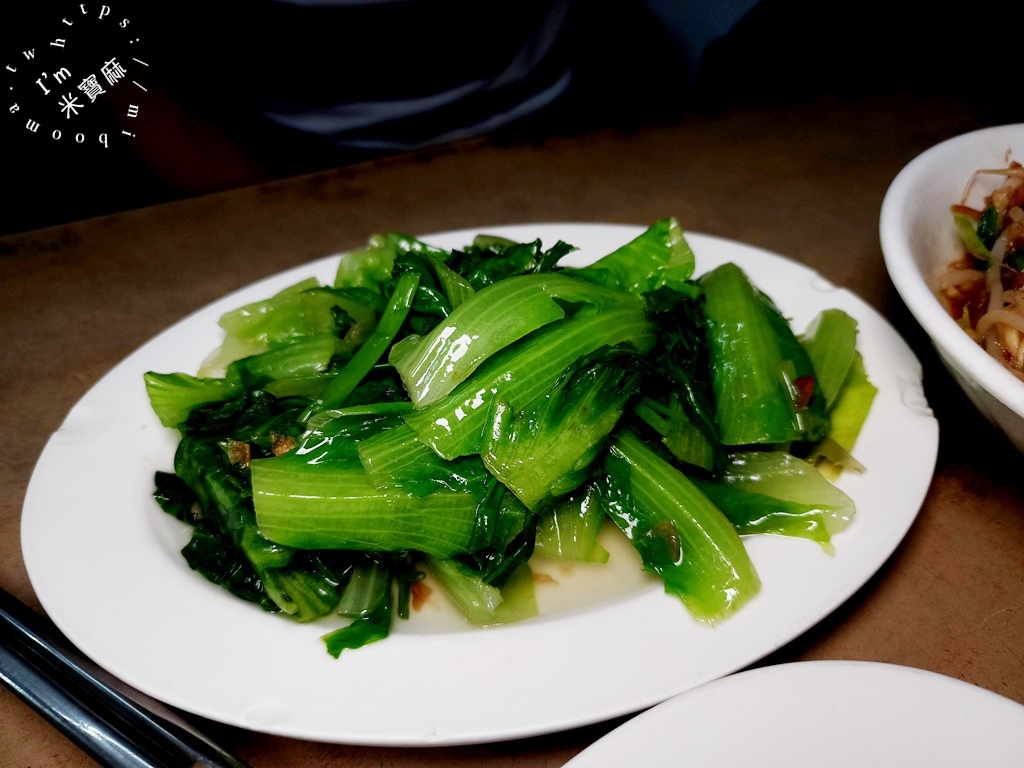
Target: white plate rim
{"points": [[135, 610], [841, 712]]}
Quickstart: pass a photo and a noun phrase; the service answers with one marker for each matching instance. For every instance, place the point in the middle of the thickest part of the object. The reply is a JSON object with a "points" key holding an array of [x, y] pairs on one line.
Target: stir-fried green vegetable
{"points": [[456, 413]]}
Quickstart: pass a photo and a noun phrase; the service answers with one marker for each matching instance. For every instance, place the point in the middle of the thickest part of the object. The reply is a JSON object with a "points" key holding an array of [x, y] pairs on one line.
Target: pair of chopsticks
{"points": [[92, 709]]}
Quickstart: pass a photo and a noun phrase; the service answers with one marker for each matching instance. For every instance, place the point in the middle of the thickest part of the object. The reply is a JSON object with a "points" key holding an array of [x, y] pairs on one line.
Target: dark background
{"points": [[211, 63]]}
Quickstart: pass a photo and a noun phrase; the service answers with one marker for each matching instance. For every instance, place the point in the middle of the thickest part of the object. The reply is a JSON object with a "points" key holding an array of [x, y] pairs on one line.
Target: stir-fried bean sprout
{"points": [[984, 288]]}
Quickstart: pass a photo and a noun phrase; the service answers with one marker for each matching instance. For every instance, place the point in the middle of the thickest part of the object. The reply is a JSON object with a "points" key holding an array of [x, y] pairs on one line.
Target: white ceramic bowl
{"points": [[918, 239]]}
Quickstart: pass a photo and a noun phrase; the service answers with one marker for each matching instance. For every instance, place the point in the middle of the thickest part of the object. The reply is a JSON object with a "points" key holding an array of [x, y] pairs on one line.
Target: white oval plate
{"points": [[808, 714], [105, 564]]}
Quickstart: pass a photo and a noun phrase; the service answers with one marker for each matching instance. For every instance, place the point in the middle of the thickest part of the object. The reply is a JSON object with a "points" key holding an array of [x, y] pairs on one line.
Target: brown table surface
{"points": [[805, 181]]}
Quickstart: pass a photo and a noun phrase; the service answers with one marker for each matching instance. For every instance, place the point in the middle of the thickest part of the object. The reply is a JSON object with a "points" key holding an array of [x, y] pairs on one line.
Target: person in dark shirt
{"points": [[244, 91]]}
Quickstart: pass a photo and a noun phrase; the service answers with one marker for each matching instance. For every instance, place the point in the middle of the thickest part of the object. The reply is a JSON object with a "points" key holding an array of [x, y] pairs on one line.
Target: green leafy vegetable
{"points": [[966, 227], [568, 427], [570, 528], [678, 532], [433, 365], [831, 344], [764, 385], [448, 415]]}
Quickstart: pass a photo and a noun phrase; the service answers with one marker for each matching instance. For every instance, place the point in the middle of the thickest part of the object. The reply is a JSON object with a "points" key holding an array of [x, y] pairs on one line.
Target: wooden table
{"points": [[805, 181]]}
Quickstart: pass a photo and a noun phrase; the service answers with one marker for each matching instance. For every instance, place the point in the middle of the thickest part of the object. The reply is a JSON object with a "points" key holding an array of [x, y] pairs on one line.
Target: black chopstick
{"points": [[106, 719]]}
